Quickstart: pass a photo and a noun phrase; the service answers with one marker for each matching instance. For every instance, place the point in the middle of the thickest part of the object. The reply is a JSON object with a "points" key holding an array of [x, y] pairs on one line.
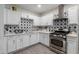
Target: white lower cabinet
{"points": [[3, 45], [36, 37], [11, 44], [44, 38], [25, 40], [19, 41], [41, 37], [72, 45], [33, 38]]}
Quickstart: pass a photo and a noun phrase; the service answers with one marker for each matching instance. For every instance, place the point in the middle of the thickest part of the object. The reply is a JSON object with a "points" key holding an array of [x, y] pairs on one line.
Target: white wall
{"points": [[2, 41]]}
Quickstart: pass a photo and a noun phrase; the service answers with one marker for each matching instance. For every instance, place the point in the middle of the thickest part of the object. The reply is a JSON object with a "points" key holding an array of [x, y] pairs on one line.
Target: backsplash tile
{"points": [[24, 26]]}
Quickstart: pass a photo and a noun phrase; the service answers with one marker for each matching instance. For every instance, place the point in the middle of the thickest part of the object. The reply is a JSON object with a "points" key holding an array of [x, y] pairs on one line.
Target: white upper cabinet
{"points": [[73, 14], [46, 20], [12, 17], [24, 14], [36, 20]]}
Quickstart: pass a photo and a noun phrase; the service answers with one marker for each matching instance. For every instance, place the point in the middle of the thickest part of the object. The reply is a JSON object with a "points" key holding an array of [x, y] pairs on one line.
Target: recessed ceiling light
{"points": [[39, 6]]}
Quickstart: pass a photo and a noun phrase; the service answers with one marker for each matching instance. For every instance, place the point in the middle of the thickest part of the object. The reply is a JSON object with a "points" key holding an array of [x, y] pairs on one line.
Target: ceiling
{"points": [[33, 7]]}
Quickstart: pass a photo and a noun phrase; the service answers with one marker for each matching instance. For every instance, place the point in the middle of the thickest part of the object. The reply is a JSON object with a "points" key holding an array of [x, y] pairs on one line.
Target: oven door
{"points": [[58, 43]]}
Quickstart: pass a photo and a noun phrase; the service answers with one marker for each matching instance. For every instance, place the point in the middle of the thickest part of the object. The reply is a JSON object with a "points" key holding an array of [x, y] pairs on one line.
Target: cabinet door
{"points": [[19, 42], [3, 45], [11, 44], [73, 15], [44, 38], [41, 37], [72, 47], [36, 37], [33, 38], [12, 17], [25, 40]]}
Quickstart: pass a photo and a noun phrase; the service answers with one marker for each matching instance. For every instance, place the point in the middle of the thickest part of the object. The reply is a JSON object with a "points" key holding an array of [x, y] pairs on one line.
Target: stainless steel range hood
{"points": [[61, 11]]}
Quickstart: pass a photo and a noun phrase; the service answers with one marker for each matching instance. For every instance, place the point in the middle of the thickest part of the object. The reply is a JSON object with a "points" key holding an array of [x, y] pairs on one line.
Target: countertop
{"points": [[27, 33], [43, 31], [73, 34]]}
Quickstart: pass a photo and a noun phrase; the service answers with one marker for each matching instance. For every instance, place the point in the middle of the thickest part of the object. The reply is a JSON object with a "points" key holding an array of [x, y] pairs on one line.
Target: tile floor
{"points": [[36, 49]]}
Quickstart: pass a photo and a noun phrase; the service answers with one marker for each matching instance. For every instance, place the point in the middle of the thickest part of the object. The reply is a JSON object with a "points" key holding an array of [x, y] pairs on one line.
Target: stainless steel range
{"points": [[58, 41]]}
